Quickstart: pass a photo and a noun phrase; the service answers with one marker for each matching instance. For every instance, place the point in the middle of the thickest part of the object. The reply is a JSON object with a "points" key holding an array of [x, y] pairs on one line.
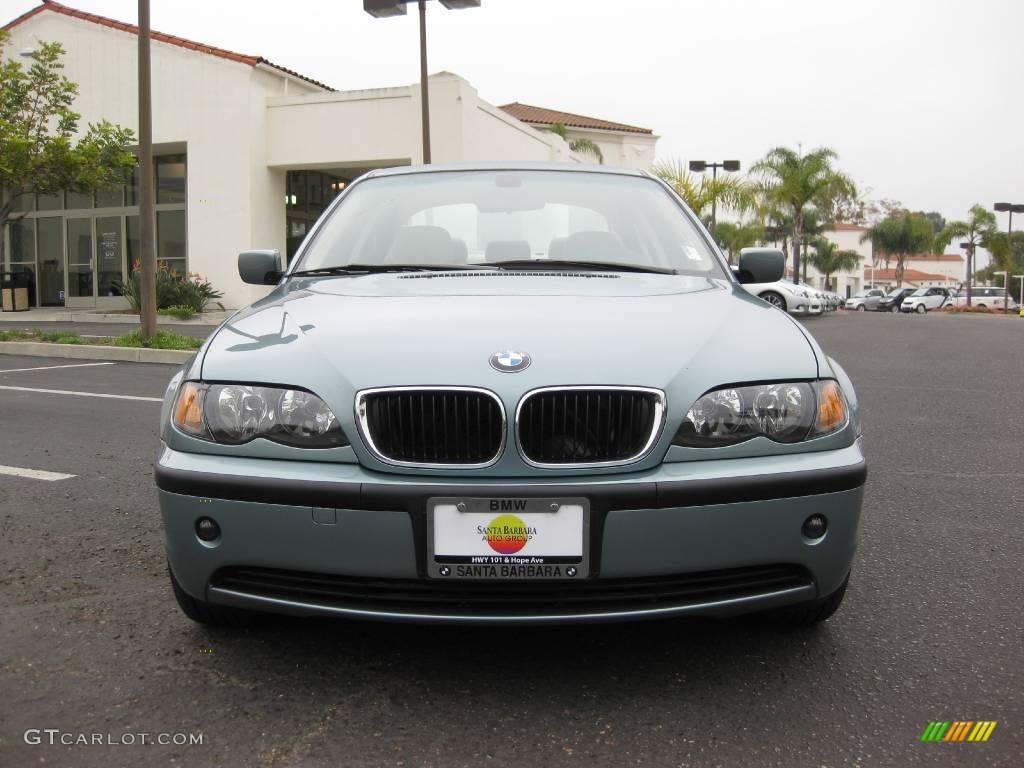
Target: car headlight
{"points": [[233, 414], [786, 413]]}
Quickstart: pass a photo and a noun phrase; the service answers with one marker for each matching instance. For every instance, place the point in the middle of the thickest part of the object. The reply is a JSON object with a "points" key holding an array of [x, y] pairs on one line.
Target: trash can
{"points": [[14, 291]]}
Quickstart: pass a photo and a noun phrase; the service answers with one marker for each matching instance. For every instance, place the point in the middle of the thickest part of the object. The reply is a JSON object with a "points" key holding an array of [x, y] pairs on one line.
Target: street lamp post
{"points": [[380, 9], [1010, 208], [699, 166], [1006, 285]]}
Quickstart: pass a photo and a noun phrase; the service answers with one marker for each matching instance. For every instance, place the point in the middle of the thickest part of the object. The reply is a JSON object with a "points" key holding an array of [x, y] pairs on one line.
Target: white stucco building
{"points": [[248, 154]]}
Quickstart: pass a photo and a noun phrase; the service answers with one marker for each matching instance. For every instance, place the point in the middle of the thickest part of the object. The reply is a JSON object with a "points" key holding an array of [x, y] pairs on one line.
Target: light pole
{"points": [[968, 246], [1006, 281], [380, 9], [147, 204], [1010, 208], [699, 166]]}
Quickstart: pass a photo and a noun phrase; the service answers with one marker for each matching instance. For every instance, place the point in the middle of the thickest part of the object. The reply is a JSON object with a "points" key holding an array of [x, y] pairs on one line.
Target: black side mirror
{"points": [[761, 265], [260, 267]]}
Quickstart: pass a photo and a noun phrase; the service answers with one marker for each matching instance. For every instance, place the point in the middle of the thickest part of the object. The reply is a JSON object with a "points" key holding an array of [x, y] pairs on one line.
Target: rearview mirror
{"points": [[260, 267], [761, 265]]}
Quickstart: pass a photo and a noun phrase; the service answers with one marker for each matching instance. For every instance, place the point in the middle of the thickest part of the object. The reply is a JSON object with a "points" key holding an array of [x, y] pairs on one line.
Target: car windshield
{"points": [[896, 291], [510, 219], [920, 292]]}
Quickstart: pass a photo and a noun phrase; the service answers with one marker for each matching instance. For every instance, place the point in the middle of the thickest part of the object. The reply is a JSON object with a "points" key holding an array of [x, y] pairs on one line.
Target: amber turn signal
{"points": [[188, 410], [831, 408]]}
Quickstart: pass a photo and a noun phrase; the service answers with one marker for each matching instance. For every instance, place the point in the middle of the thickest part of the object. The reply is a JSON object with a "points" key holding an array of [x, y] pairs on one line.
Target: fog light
{"points": [[208, 530], [814, 527]]}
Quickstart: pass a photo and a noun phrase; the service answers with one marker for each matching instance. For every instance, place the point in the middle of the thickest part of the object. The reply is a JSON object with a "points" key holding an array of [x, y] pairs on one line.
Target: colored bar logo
{"points": [[958, 730]]}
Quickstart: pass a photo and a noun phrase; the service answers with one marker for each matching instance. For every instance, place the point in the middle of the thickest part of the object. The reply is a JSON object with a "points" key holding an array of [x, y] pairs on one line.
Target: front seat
{"points": [[593, 245], [421, 245]]}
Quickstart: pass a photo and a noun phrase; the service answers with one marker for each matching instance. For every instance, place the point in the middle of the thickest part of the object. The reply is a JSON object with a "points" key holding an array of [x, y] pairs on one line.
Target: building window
{"points": [[77, 246], [307, 196]]}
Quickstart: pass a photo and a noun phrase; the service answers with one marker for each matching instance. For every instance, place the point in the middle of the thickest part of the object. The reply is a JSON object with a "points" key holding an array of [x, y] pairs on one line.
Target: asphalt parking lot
{"points": [[91, 640]]}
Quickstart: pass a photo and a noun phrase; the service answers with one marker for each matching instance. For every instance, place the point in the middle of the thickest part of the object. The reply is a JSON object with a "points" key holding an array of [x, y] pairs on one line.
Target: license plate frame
{"points": [[483, 563]]}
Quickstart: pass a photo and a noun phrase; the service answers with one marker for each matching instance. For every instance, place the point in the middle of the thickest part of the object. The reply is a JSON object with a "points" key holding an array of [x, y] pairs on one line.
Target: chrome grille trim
{"points": [[362, 421], [657, 425]]}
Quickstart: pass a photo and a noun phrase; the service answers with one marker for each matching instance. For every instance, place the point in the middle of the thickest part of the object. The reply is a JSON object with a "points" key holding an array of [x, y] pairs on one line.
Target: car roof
{"points": [[506, 165]]}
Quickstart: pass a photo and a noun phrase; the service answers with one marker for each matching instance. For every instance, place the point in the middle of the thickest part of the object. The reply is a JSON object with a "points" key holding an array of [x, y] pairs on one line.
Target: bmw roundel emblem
{"points": [[510, 361]]}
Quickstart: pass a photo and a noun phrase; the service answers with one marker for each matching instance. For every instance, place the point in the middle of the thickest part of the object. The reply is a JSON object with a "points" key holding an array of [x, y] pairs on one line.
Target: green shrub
{"points": [[160, 340], [180, 311], [54, 337], [173, 289]]}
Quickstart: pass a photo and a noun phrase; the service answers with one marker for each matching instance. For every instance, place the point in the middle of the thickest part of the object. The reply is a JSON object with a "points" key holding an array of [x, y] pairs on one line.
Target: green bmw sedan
{"points": [[510, 394]]}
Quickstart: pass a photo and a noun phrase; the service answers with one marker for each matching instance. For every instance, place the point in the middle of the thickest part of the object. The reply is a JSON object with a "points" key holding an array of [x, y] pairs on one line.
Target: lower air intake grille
{"points": [[586, 425], [445, 426], [509, 599]]}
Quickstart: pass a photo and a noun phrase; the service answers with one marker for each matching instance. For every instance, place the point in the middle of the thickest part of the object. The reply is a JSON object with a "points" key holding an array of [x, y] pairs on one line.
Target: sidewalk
{"points": [[37, 315]]}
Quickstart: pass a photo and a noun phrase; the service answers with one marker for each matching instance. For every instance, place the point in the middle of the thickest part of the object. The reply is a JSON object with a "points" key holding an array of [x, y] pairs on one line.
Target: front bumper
{"points": [[710, 537]]}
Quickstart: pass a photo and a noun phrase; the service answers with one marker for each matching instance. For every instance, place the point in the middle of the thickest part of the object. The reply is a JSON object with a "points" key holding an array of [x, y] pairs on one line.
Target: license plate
{"points": [[508, 538]]}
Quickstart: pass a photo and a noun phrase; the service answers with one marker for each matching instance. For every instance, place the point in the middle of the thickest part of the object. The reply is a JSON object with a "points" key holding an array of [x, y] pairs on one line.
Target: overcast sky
{"points": [[920, 98]]}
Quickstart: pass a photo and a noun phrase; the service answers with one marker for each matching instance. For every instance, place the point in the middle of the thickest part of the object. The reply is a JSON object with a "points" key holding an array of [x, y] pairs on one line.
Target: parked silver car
{"points": [[867, 300], [509, 394]]}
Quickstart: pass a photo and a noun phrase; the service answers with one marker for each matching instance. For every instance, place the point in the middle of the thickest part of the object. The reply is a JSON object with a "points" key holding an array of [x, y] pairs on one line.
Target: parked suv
{"points": [[982, 296], [925, 299]]}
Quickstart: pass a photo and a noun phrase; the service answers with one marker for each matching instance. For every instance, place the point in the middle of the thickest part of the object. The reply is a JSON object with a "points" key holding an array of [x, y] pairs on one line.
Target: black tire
{"points": [[773, 298], [920, 309], [861, 308], [894, 308], [980, 306], [210, 614], [815, 611]]}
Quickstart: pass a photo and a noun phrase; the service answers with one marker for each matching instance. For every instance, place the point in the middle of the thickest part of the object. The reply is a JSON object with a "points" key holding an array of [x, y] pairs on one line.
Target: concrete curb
{"points": [[95, 352]]}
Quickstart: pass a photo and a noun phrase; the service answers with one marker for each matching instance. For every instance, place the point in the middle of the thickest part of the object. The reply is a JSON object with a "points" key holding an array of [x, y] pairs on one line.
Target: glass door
{"points": [[50, 235], [109, 256], [80, 263]]}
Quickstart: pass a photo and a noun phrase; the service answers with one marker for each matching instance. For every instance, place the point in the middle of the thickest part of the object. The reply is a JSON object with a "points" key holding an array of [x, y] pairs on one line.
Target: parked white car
{"points": [[788, 296], [925, 299], [867, 300], [982, 296]]}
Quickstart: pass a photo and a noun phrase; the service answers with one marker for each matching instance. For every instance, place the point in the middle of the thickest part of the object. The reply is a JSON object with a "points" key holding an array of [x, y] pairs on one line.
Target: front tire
{"points": [[862, 308], [775, 299], [210, 614], [815, 611], [894, 308], [920, 309]]}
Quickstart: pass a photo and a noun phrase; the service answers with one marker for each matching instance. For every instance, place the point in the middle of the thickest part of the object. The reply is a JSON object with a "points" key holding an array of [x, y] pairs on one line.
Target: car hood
{"points": [[336, 336]]}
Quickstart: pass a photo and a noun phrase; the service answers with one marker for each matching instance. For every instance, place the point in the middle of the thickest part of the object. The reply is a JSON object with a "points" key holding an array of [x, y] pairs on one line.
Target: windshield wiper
{"points": [[369, 269], [600, 266]]}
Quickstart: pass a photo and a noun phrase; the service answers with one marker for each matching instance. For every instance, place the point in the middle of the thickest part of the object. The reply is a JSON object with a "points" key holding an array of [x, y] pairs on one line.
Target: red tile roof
{"points": [[913, 275], [956, 257], [181, 42], [542, 116]]}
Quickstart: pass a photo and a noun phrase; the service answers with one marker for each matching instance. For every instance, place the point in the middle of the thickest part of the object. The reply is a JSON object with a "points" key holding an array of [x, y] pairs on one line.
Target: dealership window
{"points": [[77, 246], [307, 196]]}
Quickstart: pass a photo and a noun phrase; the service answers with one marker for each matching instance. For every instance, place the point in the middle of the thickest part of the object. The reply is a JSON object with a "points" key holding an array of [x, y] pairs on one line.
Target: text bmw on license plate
{"points": [[508, 538]]}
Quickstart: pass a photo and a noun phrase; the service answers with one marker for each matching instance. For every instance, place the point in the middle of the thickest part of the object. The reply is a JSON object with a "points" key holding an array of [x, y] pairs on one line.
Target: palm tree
{"points": [[828, 260], [733, 237], [977, 230], [792, 181], [900, 235], [699, 192], [581, 145]]}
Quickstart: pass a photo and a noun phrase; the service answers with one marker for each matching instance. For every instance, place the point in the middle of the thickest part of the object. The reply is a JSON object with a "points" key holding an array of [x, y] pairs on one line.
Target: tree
{"points": [[733, 237], [828, 259], [791, 181], [900, 235], [979, 228], [38, 149], [581, 145], [699, 192]]}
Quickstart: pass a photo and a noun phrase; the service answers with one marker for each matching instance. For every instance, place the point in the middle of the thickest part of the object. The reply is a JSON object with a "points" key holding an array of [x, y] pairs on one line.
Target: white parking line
{"points": [[34, 474], [51, 367], [84, 394]]}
